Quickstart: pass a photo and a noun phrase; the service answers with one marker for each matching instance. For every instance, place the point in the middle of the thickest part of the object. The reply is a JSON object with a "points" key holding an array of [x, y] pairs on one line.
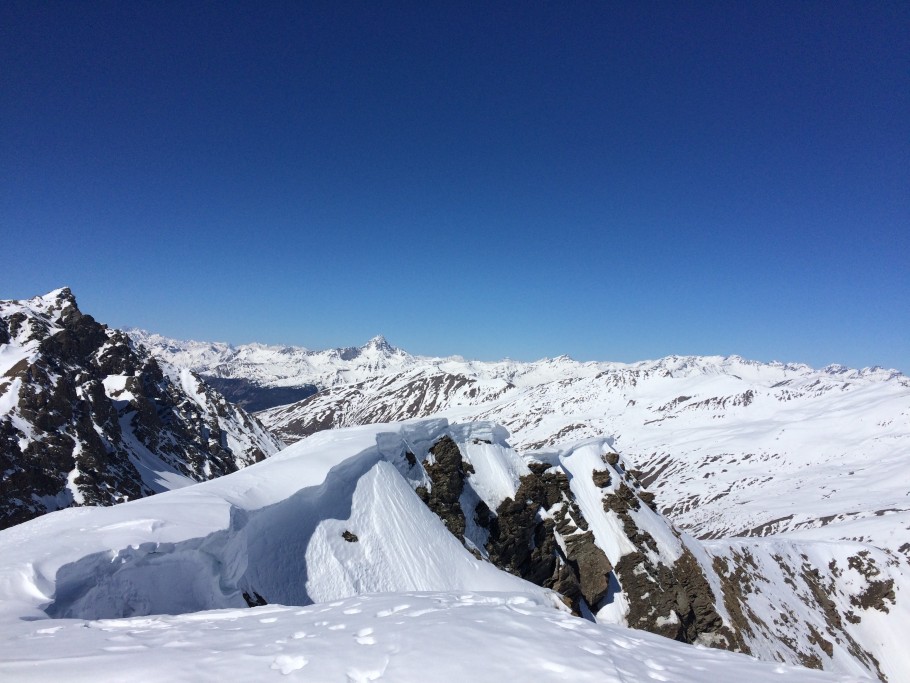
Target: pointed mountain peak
{"points": [[379, 343], [63, 295]]}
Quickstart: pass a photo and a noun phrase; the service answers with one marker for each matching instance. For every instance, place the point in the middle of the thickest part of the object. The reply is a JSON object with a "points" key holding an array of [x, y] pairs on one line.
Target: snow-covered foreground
{"points": [[402, 637], [382, 587], [274, 529]]}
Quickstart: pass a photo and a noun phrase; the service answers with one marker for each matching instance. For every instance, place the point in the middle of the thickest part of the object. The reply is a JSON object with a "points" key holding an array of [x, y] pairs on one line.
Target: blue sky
{"points": [[613, 181]]}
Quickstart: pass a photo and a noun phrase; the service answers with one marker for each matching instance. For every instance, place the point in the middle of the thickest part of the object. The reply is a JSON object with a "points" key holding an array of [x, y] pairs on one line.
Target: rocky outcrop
{"points": [[91, 419], [576, 522], [447, 472], [540, 534]]}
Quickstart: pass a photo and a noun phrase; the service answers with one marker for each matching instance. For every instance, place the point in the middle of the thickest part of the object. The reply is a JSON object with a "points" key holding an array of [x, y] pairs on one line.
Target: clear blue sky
{"points": [[613, 181]]}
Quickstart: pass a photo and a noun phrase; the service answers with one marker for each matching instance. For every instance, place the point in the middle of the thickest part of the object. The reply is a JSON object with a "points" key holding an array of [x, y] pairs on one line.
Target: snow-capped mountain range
{"points": [[533, 519], [787, 468], [728, 446], [86, 418]]}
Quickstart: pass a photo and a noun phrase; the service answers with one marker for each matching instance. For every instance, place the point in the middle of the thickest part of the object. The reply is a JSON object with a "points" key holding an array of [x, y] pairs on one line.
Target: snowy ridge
{"points": [[87, 418], [332, 521], [729, 447], [375, 509]]}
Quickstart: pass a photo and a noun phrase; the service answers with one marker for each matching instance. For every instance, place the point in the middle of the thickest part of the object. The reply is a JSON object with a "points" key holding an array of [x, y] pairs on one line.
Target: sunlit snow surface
{"points": [[404, 602], [404, 637]]}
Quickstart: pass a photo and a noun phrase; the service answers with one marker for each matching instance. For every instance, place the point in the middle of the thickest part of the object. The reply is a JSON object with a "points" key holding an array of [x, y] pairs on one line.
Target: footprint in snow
{"points": [[421, 612], [48, 631], [365, 637], [358, 676], [289, 663], [389, 612]]}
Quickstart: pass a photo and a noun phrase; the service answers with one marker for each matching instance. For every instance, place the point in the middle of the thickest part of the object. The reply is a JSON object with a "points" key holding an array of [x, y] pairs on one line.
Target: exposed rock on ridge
{"points": [[622, 561], [88, 418]]}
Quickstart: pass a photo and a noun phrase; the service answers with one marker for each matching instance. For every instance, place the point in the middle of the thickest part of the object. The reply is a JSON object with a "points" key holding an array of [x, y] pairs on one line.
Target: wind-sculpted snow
{"points": [[432, 506], [273, 530], [86, 418]]}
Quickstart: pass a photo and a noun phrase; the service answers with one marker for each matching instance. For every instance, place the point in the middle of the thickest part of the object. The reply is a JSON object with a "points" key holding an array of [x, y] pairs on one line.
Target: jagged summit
{"points": [[89, 418], [59, 294], [379, 343]]}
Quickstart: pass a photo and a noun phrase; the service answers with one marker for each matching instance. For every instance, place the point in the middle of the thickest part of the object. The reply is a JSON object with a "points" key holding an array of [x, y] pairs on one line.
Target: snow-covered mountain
{"points": [[432, 550], [258, 376], [730, 447], [89, 418], [794, 479]]}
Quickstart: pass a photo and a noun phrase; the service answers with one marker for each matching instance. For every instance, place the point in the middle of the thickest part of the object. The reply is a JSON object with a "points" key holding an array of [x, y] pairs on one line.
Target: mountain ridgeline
{"points": [[87, 417], [754, 507]]}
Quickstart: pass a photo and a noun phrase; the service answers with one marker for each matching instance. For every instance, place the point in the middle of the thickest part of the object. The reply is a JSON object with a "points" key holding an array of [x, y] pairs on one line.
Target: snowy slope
{"points": [[273, 529], [404, 637], [86, 418], [392, 509], [730, 447]]}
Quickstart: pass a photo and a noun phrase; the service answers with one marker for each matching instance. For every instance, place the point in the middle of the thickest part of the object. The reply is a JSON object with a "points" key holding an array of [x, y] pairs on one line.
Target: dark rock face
{"points": [[89, 404], [447, 474], [524, 542], [674, 601], [541, 535], [521, 539]]}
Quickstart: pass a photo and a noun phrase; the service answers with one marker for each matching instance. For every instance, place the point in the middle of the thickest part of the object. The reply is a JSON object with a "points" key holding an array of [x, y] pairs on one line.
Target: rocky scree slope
{"points": [[89, 418]]}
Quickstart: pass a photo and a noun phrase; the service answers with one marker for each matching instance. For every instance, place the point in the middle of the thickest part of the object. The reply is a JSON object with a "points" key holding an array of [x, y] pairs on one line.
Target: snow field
{"points": [[410, 637]]}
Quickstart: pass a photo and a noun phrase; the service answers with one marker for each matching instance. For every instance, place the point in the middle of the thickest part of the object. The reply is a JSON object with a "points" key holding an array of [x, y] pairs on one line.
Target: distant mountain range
{"points": [[760, 508], [729, 446]]}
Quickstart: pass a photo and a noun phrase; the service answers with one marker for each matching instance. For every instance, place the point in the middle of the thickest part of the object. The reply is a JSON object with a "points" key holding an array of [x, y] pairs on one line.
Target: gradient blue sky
{"points": [[614, 181]]}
